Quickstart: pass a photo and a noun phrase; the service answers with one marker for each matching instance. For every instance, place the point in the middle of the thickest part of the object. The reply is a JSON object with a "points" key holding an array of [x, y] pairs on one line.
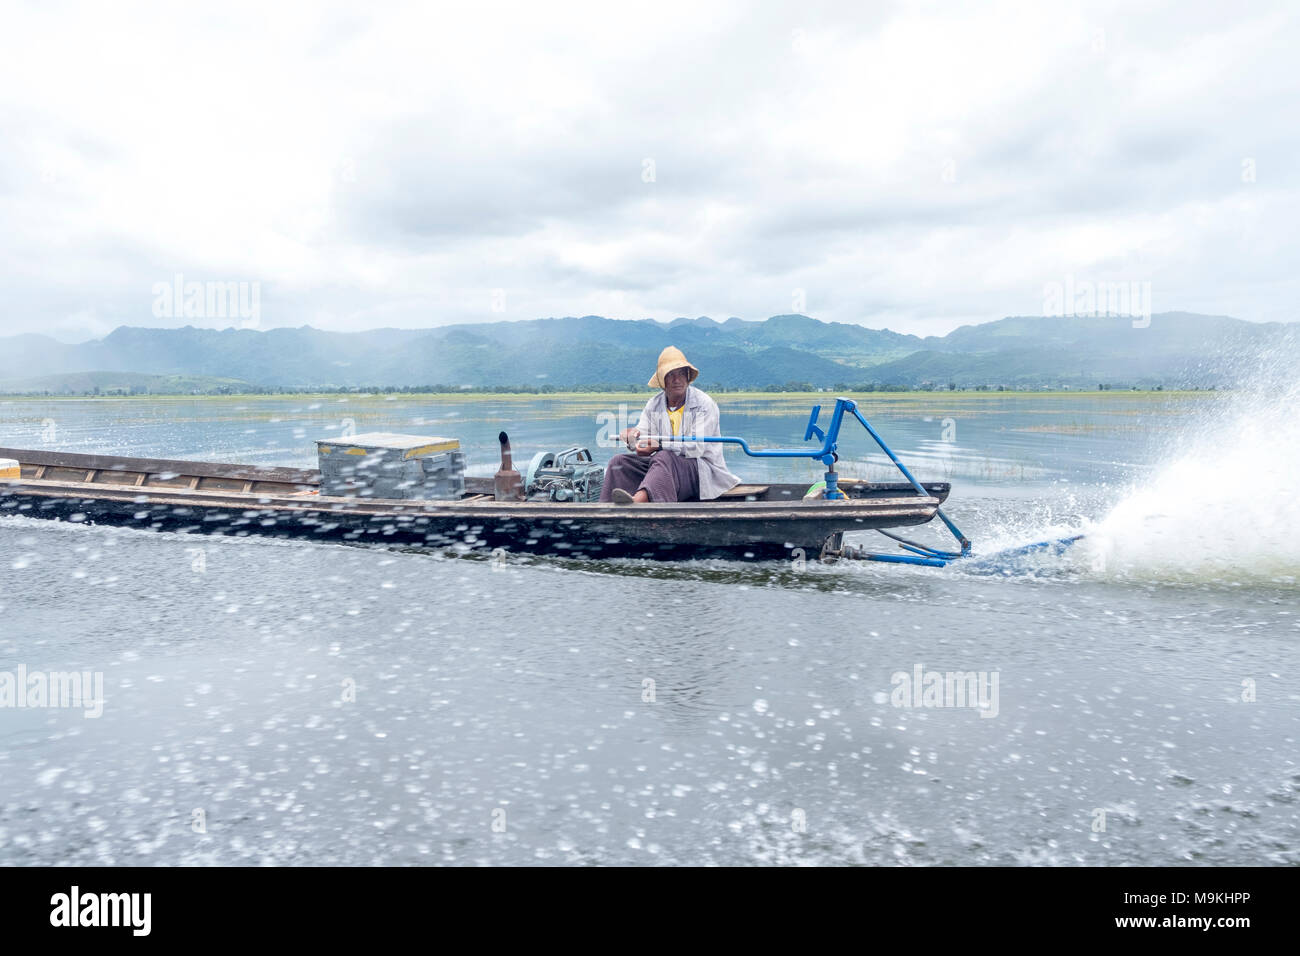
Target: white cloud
{"points": [[917, 166]]}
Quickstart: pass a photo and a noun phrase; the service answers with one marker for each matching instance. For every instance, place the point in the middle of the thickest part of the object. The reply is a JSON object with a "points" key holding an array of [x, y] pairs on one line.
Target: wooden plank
{"points": [[486, 506], [206, 469], [115, 477]]}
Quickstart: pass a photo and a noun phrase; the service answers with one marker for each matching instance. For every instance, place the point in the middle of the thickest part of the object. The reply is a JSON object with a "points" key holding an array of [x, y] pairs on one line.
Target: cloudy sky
{"points": [[915, 166]]}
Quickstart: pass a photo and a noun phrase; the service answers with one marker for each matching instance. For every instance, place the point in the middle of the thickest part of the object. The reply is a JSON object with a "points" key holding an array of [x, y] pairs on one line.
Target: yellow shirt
{"points": [[675, 419]]}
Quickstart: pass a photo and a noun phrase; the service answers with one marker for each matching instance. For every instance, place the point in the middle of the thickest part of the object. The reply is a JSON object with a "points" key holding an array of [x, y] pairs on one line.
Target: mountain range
{"points": [[1176, 349]]}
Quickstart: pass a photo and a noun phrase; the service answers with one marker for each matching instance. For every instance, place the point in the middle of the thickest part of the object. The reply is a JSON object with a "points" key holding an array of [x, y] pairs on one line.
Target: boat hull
{"points": [[219, 498]]}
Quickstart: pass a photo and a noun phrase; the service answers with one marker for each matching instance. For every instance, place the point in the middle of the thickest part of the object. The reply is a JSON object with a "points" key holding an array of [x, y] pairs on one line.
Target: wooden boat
{"points": [[752, 521]]}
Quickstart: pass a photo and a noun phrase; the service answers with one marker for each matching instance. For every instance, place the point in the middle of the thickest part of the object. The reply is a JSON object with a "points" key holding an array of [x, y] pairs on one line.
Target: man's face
{"points": [[675, 383]]}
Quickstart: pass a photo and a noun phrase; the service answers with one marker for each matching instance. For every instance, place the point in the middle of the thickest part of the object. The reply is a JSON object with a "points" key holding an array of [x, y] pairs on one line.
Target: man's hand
{"points": [[647, 447], [629, 436]]}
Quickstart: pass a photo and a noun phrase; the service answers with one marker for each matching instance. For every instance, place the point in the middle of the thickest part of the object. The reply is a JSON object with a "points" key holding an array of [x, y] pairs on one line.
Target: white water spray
{"points": [[1226, 509]]}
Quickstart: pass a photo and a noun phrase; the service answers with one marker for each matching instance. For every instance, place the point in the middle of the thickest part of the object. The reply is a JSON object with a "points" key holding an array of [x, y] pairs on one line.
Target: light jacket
{"points": [[700, 418]]}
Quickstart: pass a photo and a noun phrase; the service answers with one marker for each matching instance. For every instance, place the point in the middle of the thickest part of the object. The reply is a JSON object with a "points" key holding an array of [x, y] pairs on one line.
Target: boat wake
{"points": [[1226, 509]]}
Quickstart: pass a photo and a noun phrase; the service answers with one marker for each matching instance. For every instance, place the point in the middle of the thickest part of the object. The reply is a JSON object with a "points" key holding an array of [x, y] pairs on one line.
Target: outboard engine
{"points": [[570, 475]]}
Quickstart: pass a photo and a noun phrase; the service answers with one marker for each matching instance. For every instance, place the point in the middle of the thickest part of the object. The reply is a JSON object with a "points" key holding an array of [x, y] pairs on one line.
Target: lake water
{"points": [[298, 703]]}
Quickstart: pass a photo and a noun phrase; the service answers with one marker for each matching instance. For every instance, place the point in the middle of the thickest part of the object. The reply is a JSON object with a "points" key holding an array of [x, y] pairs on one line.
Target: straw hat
{"points": [[669, 359]]}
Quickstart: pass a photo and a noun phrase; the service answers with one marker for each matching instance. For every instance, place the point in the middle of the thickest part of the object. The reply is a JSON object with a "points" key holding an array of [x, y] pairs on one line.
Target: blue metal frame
{"points": [[921, 554]]}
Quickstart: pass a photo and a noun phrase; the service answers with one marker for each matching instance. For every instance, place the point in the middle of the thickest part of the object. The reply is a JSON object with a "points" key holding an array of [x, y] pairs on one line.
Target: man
{"points": [[688, 471]]}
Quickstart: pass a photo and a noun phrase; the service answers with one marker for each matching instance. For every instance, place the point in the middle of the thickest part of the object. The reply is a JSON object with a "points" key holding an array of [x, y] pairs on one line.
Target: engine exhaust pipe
{"points": [[508, 484]]}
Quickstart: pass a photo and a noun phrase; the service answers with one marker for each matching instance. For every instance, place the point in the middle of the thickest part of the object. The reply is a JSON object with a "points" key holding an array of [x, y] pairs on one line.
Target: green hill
{"points": [[1176, 350]]}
